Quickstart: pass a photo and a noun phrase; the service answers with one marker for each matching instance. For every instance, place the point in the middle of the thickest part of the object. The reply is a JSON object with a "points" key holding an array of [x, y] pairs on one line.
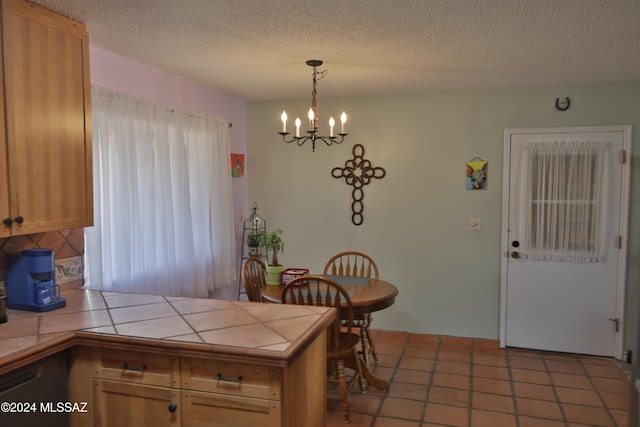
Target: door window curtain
{"points": [[563, 202], [163, 210]]}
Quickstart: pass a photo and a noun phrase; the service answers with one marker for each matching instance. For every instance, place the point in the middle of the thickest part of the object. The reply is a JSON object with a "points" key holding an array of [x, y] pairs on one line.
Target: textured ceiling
{"points": [[256, 49]]}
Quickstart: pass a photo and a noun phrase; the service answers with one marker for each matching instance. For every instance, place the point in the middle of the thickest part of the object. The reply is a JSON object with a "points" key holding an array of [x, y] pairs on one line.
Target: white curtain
{"points": [[563, 201], [163, 208]]}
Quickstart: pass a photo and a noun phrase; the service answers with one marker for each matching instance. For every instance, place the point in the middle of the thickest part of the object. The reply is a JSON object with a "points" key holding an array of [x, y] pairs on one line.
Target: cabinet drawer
{"points": [[136, 367], [231, 378], [222, 410]]}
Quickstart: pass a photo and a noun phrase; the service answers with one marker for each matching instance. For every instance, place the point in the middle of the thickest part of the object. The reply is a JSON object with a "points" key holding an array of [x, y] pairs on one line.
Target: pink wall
{"points": [[125, 75]]}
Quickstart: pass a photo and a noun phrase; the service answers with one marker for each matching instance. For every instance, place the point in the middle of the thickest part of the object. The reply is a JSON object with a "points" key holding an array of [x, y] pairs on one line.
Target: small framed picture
{"points": [[476, 174], [237, 165]]}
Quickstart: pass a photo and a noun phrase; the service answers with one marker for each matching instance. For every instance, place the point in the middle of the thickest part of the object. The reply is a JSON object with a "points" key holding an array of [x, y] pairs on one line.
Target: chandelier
{"points": [[312, 132]]}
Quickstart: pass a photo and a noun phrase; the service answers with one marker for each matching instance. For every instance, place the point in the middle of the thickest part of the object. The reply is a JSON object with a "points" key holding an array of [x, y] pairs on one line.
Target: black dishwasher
{"points": [[30, 395]]}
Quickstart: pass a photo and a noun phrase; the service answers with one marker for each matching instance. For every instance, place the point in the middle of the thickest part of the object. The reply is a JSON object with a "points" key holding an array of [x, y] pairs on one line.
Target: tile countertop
{"points": [[274, 334]]}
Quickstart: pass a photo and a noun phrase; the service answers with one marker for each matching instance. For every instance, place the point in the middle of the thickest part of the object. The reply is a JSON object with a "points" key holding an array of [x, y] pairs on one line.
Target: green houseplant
{"points": [[272, 241], [253, 242]]}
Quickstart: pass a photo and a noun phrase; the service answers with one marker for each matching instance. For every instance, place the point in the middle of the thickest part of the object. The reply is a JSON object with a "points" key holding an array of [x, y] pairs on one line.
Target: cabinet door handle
{"points": [[19, 219], [219, 377], [7, 221], [173, 408], [127, 367]]}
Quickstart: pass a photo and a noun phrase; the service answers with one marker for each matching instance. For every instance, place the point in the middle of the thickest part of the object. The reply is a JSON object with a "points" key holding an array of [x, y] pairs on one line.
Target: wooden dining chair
{"points": [[254, 277], [342, 342], [357, 264]]}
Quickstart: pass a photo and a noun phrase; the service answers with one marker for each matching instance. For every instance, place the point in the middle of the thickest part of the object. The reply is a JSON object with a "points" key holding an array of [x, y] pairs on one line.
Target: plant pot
{"points": [[255, 251], [274, 274]]}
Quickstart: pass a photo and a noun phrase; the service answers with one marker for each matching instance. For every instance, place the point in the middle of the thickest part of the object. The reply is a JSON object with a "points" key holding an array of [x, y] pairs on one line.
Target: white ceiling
{"points": [[256, 49]]}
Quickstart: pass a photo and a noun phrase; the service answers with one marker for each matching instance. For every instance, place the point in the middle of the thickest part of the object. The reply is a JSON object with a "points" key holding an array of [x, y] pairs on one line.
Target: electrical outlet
{"points": [[474, 224]]}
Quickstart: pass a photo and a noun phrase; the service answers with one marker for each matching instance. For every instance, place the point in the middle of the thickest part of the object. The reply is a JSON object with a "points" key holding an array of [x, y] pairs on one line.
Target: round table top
{"points": [[367, 295]]}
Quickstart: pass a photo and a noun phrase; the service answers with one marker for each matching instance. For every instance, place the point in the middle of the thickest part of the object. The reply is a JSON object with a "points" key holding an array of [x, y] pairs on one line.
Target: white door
{"points": [[564, 233]]}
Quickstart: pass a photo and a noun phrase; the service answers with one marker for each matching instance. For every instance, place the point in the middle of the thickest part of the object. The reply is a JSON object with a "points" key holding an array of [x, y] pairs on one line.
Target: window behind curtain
{"points": [[163, 200], [563, 200]]}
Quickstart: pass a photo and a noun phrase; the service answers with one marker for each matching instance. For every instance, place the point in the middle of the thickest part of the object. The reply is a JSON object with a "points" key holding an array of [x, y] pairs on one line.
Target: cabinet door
{"points": [[4, 173], [118, 403], [48, 119]]}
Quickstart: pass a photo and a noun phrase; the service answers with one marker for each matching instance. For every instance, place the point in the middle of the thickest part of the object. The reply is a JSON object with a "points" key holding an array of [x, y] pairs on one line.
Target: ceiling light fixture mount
{"points": [[312, 133]]}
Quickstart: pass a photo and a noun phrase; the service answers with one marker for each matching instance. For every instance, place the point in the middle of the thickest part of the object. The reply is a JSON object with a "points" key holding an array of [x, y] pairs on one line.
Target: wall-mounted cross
{"points": [[358, 172]]}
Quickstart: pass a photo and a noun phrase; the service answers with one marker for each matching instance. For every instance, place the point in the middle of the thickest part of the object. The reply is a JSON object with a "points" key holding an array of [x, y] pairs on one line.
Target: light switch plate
{"points": [[474, 224]]}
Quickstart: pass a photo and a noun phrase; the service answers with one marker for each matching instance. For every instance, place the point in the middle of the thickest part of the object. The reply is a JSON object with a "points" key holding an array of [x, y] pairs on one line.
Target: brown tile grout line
{"points": [[554, 389], [513, 389], [385, 393], [597, 390], [430, 385]]}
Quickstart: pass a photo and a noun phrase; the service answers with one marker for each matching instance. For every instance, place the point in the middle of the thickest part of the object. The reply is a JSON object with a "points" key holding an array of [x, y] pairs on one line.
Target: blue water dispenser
{"points": [[31, 281]]}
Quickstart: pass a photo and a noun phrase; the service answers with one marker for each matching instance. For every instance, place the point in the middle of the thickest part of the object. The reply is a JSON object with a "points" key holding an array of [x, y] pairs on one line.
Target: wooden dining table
{"points": [[367, 295]]}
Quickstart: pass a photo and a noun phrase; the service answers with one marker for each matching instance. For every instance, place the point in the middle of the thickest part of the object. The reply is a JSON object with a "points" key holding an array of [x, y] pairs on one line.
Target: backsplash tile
{"points": [[67, 245]]}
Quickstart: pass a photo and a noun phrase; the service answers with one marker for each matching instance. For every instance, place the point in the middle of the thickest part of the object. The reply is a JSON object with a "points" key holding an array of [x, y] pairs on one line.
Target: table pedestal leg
{"points": [[367, 375]]}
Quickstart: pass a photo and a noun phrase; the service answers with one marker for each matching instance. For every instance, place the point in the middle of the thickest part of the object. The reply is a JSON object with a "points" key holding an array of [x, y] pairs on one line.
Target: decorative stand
{"points": [[254, 224]]}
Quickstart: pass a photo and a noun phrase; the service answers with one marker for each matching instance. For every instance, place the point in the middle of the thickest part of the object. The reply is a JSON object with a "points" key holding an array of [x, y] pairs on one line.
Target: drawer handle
{"points": [[219, 377], [126, 367], [173, 408]]}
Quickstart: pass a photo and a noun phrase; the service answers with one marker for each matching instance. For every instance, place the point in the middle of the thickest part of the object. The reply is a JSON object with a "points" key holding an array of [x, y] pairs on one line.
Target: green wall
{"points": [[415, 218]]}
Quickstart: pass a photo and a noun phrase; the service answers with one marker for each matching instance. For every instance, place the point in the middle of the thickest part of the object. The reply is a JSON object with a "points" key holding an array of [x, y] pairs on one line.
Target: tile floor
{"points": [[450, 381]]}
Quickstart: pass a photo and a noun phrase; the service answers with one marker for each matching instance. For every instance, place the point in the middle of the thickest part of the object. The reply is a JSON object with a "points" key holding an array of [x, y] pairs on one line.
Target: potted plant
{"points": [[253, 242], [272, 241]]}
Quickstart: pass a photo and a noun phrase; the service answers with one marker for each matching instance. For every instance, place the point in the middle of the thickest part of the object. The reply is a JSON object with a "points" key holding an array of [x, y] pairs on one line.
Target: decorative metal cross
{"points": [[358, 173]]}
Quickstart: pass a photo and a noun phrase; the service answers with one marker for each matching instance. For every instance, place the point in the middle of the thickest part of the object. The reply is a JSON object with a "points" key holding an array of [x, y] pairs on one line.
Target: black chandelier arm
{"points": [[300, 140]]}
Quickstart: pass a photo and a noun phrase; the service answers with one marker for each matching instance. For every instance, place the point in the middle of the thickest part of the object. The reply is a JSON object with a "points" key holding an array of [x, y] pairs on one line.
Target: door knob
{"points": [[7, 221], [515, 254], [19, 219], [173, 408]]}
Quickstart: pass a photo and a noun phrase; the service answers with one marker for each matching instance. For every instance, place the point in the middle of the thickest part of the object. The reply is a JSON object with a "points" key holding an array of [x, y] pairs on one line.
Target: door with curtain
{"points": [[565, 199]]}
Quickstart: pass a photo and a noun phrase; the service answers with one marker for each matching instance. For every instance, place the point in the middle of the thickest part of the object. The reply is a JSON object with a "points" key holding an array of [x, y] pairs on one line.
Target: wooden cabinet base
{"points": [[169, 389], [118, 403]]}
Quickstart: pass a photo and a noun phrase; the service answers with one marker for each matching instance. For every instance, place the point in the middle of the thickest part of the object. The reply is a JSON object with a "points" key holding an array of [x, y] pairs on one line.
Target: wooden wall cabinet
{"points": [[45, 121], [152, 387]]}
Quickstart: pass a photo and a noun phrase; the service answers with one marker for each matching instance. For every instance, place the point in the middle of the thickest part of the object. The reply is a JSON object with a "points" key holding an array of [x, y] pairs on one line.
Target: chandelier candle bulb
{"points": [[298, 123], [284, 121], [343, 120], [311, 116], [331, 125]]}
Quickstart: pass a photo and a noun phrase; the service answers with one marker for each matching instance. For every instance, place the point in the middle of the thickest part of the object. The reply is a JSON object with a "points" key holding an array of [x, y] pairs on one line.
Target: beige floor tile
{"points": [[219, 319], [587, 415], [74, 321], [156, 328], [114, 300], [449, 396], [253, 336], [408, 391], [492, 402], [142, 312], [538, 408], [449, 367], [412, 376], [579, 396], [190, 306], [447, 415], [480, 418], [486, 371], [401, 408], [416, 363], [569, 380], [19, 327], [530, 376]]}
